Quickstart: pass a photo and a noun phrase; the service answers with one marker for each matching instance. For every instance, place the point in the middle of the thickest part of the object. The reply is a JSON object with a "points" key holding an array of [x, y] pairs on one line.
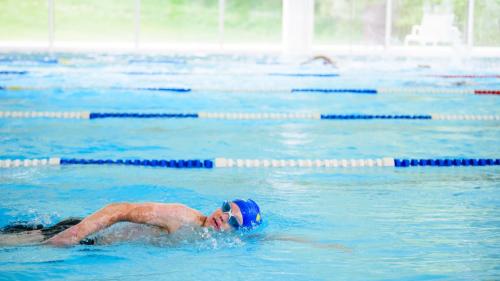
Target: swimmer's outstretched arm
{"points": [[166, 216], [303, 240]]}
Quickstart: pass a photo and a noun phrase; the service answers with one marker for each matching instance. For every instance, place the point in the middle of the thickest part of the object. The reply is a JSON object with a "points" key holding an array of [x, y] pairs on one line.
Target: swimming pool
{"points": [[415, 223]]}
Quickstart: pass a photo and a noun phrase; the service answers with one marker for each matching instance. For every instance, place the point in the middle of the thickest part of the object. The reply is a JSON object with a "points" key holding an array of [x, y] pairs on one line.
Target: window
{"points": [[487, 23], [94, 20], [25, 20], [176, 21], [347, 22], [256, 21]]}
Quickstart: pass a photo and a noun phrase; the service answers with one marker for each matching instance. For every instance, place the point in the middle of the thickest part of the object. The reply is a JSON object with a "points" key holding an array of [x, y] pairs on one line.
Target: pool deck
{"points": [[247, 48]]}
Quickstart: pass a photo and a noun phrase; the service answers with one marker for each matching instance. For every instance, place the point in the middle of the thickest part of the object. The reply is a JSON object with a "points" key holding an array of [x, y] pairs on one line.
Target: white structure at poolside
{"points": [[436, 27], [298, 26]]}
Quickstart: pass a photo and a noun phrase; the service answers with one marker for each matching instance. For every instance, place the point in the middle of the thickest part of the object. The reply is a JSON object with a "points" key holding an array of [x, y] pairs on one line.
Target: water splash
{"points": [[186, 237]]}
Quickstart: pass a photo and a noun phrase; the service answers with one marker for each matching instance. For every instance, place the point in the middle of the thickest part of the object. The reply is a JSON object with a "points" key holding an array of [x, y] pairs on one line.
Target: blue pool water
{"points": [[361, 223]]}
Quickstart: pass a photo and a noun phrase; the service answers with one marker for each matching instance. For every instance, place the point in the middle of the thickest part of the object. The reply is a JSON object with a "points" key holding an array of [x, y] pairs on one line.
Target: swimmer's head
{"points": [[235, 214], [250, 212]]}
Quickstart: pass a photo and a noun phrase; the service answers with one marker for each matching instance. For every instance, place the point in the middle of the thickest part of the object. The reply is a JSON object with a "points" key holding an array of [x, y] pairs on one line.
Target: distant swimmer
{"points": [[324, 60], [424, 66], [166, 218]]}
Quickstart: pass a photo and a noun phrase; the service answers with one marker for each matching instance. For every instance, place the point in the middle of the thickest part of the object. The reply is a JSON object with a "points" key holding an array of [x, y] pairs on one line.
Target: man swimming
{"points": [[232, 215], [324, 60]]}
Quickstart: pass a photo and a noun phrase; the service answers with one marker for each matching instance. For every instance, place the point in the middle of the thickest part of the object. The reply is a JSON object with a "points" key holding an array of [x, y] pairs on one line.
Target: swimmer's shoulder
{"points": [[178, 208], [178, 214]]}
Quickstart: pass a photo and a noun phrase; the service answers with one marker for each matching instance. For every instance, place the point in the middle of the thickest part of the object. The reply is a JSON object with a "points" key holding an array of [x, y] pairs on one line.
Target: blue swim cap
{"points": [[250, 212]]}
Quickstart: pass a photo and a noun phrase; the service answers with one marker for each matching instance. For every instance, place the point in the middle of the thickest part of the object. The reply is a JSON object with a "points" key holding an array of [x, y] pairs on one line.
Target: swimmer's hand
{"points": [[60, 241]]}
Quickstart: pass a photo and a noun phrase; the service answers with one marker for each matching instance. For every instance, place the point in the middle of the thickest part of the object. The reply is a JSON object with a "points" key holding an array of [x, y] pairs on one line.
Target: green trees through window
{"points": [[353, 22]]}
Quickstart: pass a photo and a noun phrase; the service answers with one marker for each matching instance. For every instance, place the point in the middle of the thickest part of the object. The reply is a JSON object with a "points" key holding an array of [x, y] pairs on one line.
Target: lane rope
{"points": [[198, 73], [324, 75], [245, 116], [412, 91], [465, 76], [283, 74], [257, 163]]}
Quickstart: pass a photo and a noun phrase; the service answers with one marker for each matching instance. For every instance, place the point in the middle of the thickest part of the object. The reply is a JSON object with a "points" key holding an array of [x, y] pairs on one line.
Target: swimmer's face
{"points": [[219, 220]]}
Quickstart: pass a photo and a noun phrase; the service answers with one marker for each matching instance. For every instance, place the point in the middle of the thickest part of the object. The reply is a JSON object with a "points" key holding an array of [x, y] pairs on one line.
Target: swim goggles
{"points": [[232, 221]]}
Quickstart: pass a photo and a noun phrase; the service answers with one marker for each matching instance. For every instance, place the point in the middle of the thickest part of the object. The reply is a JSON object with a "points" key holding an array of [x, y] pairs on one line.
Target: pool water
{"points": [[424, 223]]}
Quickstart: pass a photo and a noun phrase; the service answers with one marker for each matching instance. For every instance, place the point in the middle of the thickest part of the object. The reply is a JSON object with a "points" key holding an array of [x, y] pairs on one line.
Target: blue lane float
{"points": [[153, 73], [95, 115], [323, 75], [164, 163], [446, 162], [42, 61], [13, 72], [160, 89]]}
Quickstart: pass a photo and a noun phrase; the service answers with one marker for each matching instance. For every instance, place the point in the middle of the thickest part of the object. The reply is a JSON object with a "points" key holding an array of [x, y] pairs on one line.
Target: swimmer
{"points": [[232, 215], [153, 220], [423, 66], [323, 59]]}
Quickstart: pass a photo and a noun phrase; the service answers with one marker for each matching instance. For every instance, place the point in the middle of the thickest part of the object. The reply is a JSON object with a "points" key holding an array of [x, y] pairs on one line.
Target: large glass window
{"points": [[94, 20], [336, 22], [179, 20], [429, 22], [253, 21], [487, 23], [359, 22], [24, 20]]}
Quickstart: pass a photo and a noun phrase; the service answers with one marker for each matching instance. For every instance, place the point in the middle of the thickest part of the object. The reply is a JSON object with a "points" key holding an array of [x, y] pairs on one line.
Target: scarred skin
{"points": [[168, 217]]}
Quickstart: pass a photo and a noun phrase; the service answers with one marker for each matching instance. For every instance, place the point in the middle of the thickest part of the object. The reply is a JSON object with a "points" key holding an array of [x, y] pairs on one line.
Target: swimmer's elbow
{"points": [[118, 211], [118, 206]]}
